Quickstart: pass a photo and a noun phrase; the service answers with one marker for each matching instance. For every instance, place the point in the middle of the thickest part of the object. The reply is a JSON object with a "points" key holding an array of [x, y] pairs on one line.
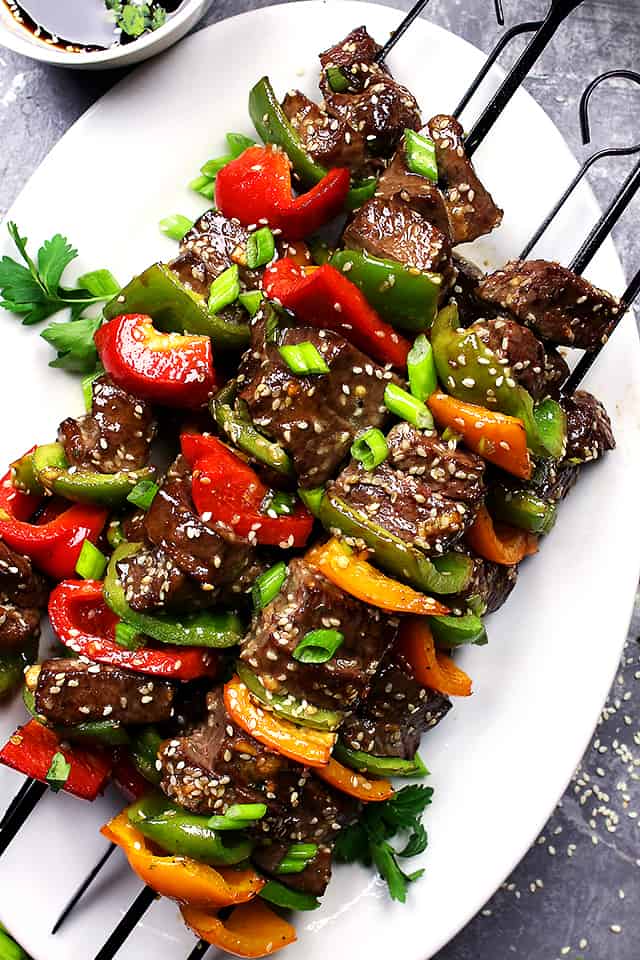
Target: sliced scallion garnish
{"points": [[303, 358], [225, 290], [175, 226], [268, 585], [91, 562], [407, 408], [421, 155], [423, 378], [143, 494], [58, 772], [251, 300], [370, 448], [318, 646], [261, 246]]}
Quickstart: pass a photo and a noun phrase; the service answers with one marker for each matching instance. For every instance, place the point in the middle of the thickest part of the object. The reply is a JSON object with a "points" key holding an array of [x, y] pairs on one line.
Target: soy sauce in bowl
{"points": [[88, 25]]}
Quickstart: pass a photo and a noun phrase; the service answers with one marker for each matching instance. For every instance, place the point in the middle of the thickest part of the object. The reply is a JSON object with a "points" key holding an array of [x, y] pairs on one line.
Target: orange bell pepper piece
{"points": [[342, 778], [181, 878], [312, 748], [353, 574], [252, 930], [499, 542], [430, 667], [497, 437]]}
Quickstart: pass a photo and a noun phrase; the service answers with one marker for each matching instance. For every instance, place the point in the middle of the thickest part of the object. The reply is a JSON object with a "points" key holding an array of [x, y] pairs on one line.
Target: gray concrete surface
{"points": [[577, 892]]}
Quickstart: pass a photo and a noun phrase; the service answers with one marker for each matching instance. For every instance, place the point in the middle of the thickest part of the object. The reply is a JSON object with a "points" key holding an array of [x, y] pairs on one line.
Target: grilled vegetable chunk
{"points": [[115, 436], [23, 594], [374, 105], [558, 305], [470, 206], [307, 602], [73, 691], [315, 417], [218, 765], [425, 492], [390, 722]]}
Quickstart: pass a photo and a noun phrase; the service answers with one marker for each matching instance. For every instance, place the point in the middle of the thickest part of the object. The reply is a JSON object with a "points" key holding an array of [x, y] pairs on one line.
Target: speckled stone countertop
{"points": [[577, 892]]}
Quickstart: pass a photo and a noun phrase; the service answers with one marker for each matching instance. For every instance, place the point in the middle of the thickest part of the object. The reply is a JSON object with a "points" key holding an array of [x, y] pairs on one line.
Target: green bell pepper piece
{"points": [[208, 628], [379, 766], [405, 297], [272, 125], [312, 499], [522, 508], [186, 834], [160, 294], [282, 896], [9, 949], [23, 475], [110, 733], [451, 631], [448, 573], [11, 672], [143, 749], [285, 706], [491, 384], [232, 417], [84, 486]]}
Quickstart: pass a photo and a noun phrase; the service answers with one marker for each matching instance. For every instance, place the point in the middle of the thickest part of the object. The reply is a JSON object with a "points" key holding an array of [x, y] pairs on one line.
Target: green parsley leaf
{"points": [[158, 17], [74, 342], [132, 20], [58, 772], [53, 257]]}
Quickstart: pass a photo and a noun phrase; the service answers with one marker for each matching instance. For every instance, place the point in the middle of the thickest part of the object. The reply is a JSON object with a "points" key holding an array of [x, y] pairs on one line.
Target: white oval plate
{"points": [[503, 757]]}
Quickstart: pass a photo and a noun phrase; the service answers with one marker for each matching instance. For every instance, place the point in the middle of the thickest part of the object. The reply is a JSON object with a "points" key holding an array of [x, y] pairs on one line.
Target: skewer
{"points": [[558, 12], [128, 923], [199, 950], [84, 886], [413, 14], [21, 808]]}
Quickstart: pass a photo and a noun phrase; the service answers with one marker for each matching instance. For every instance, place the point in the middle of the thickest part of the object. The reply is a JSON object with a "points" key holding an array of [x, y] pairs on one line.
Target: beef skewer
{"points": [[415, 12]]}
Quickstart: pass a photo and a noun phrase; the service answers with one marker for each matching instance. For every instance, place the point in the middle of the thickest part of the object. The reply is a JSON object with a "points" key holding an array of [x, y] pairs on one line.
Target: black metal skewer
{"points": [[128, 923], [82, 889], [20, 809], [199, 950], [413, 14]]}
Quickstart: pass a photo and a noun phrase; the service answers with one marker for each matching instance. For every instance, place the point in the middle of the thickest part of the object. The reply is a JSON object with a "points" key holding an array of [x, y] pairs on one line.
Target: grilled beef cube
{"points": [[390, 722], [490, 584], [23, 594], [173, 524], [553, 479], [74, 691], [465, 292], [318, 819], [556, 371], [472, 212], [418, 192], [522, 351], [589, 432], [559, 306], [392, 230], [152, 581], [308, 601], [115, 436], [425, 492], [218, 765], [330, 141], [376, 106], [315, 418], [216, 243]]}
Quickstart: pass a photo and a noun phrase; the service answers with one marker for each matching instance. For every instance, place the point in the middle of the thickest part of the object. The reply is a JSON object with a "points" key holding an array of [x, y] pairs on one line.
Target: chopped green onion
{"points": [[225, 289], [127, 636], [268, 585], [239, 816], [318, 646], [87, 387], [336, 79], [312, 499], [238, 143], [251, 301], [370, 448], [175, 226], [408, 408], [115, 534], [279, 503], [261, 247], [211, 168], [143, 494], [297, 858], [205, 186], [421, 155], [423, 378], [303, 358], [58, 772], [360, 193], [91, 563]]}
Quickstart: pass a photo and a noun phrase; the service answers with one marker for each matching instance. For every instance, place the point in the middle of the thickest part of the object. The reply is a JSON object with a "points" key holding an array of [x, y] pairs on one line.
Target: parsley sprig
{"points": [[367, 841], [33, 290], [134, 19]]}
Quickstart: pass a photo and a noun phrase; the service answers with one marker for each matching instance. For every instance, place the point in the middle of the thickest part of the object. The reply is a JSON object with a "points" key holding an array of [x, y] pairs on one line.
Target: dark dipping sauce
{"points": [[77, 26]]}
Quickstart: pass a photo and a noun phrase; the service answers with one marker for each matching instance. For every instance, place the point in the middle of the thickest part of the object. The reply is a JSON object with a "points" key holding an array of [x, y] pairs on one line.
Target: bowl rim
{"points": [[53, 55]]}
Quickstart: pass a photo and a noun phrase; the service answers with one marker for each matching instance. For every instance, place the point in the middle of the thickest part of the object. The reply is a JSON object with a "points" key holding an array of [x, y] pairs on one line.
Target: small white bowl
{"points": [[19, 39]]}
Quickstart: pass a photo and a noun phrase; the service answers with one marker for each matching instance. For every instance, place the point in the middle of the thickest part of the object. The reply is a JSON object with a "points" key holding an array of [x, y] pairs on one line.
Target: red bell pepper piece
{"points": [[323, 297], [172, 369], [227, 490], [32, 748], [85, 624], [256, 188], [53, 546]]}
